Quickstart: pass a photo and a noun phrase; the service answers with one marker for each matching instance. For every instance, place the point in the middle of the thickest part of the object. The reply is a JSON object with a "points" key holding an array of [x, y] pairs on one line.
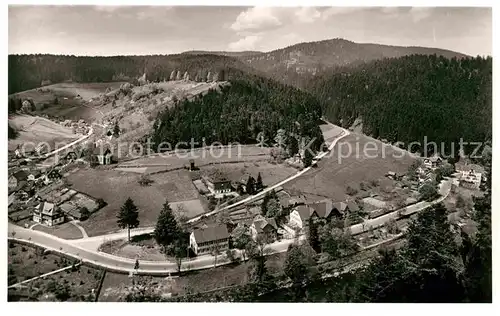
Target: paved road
{"points": [[343, 134], [76, 250], [86, 248], [91, 131]]}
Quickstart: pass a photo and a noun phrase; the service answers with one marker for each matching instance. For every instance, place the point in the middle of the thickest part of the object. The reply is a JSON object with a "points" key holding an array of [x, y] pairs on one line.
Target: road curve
{"points": [[91, 131], [86, 249]]}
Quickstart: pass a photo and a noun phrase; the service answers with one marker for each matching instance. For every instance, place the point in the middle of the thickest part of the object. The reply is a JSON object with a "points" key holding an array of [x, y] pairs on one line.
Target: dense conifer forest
{"points": [[404, 99], [240, 112]]}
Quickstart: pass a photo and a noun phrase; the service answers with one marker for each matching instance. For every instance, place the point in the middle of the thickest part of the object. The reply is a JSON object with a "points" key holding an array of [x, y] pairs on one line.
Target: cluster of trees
{"points": [[171, 233], [406, 99], [30, 71], [246, 111], [253, 186]]}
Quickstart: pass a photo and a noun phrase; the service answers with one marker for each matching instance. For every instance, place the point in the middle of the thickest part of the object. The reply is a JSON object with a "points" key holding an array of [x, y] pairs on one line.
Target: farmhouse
{"points": [[299, 218], [16, 178], [265, 228], [205, 240], [103, 156], [34, 174], [470, 179], [292, 201], [218, 183], [433, 162], [48, 214]]}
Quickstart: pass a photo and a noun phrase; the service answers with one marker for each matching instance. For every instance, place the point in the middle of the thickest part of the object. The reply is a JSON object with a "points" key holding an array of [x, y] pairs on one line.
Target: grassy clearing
{"points": [[27, 262], [271, 173], [201, 157], [68, 105], [144, 249], [65, 231], [34, 129], [114, 187], [331, 178]]}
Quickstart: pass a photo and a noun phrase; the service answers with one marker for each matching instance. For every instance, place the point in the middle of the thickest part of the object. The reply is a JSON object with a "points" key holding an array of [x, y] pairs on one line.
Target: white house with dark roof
{"points": [[299, 217], [203, 241], [48, 214], [433, 162]]}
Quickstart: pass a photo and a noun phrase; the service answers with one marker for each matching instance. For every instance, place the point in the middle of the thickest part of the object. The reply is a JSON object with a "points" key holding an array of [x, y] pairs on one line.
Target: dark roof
{"points": [[20, 175], [305, 212], [262, 223], [211, 233], [217, 176], [35, 172], [352, 206], [322, 208]]}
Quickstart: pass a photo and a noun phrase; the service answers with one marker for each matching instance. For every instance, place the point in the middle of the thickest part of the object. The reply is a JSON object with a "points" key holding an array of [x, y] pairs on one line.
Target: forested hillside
{"points": [[32, 71], [240, 112], [404, 99], [299, 63]]}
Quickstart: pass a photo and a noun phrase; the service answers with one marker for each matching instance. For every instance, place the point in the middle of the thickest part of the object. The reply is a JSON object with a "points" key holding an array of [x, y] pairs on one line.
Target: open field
{"points": [[201, 156], [69, 106], [114, 285], [27, 262], [34, 129], [137, 111], [64, 231], [332, 176], [271, 173], [115, 187]]}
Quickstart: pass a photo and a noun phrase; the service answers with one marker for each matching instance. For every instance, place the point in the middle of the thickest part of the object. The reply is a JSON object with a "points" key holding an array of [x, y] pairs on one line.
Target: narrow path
{"points": [[42, 276], [82, 230]]}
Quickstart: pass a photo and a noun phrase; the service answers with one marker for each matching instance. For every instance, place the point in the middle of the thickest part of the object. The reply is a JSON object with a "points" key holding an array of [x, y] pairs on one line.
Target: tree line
{"points": [[32, 71], [404, 99]]}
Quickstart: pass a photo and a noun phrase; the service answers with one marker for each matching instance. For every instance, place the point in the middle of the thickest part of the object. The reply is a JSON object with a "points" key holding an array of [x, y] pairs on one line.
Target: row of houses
{"points": [[205, 240]]}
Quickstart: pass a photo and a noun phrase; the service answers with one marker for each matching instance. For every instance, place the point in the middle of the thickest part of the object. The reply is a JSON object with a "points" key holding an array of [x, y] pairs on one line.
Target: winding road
{"points": [[86, 249]]}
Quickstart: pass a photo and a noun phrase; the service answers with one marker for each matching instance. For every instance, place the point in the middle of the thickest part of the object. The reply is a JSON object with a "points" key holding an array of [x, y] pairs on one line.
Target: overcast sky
{"points": [[125, 30]]}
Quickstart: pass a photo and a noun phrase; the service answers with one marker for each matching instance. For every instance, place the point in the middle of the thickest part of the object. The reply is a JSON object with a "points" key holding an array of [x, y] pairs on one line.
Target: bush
{"points": [[351, 191], [84, 213], [23, 249]]}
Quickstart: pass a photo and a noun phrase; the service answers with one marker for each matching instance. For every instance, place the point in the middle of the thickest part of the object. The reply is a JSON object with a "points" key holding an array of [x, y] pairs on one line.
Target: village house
{"points": [[16, 178], [206, 240], [265, 228], [433, 162], [470, 179], [292, 201], [218, 183], [48, 214], [299, 217], [103, 156], [34, 175], [70, 156]]}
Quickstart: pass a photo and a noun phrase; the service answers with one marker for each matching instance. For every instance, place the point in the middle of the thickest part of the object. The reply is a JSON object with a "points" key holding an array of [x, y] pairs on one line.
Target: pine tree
{"points": [[250, 188], [308, 158], [116, 130], [259, 185], [167, 228], [128, 217]]}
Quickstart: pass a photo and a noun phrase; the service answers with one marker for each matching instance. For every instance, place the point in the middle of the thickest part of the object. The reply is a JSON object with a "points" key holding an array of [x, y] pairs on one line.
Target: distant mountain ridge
{"points": [[295, 65], [307, 59], [222, 53]]}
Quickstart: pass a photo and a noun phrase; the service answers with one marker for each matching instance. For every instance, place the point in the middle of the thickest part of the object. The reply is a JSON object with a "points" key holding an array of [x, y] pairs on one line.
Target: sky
{"points": [[143, 30]]}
